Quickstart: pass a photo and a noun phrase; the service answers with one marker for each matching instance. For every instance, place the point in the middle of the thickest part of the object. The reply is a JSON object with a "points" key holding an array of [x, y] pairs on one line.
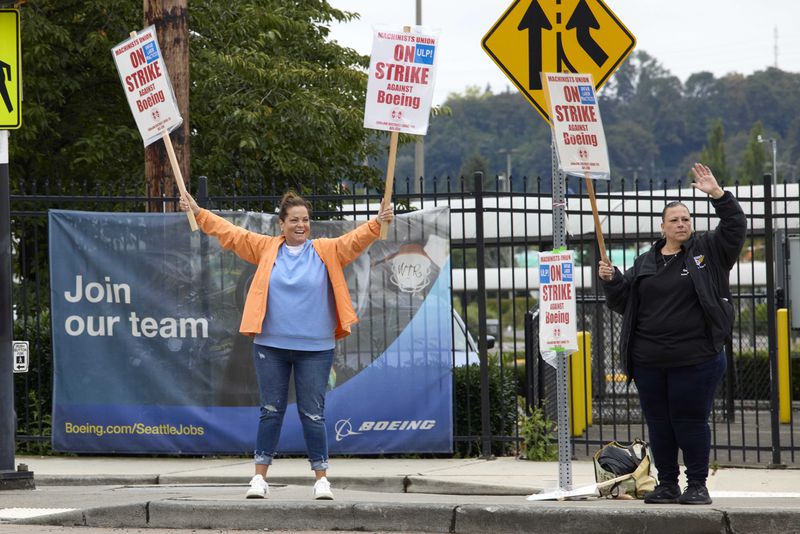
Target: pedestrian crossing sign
{"points": [[10, 70]]}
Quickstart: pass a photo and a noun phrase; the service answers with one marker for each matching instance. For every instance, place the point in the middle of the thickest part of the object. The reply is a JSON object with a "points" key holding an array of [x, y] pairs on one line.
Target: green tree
{"points": [[752, 166], [475, 163], [713, 153], [76, 125], [631, 147], [272, 99]]}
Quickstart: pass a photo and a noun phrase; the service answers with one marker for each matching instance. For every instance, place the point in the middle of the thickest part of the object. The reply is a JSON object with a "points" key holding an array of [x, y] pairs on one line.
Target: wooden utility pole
{"points": [[171, 19]]}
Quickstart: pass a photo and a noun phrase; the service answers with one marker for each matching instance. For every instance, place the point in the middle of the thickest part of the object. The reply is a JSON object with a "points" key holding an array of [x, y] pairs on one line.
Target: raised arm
{"points": [[729, 235], [244, 243], [353, 243]]}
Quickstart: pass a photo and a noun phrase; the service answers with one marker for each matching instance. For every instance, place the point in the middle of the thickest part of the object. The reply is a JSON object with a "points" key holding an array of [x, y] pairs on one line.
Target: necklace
{"points": [[670, 256]]}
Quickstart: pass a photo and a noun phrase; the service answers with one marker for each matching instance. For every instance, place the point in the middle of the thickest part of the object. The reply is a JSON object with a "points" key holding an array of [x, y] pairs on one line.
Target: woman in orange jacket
{"points": [[297, 307]]}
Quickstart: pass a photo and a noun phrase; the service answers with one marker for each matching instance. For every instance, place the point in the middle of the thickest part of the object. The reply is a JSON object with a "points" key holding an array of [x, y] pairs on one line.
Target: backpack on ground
{"points": [[624, 469]]}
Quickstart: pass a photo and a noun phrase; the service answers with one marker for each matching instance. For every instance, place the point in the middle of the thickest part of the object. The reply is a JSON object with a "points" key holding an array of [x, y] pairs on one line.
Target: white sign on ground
{"points": [[577, 127], [146, 83], [402, 74], [557, 320]]}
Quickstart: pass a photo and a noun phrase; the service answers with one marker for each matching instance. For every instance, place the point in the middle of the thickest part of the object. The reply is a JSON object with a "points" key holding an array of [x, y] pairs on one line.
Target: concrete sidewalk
{"points": [[419, 495]]}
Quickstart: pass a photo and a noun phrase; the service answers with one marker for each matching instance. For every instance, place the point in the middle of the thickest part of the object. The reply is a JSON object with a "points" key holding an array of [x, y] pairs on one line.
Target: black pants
{"points": [[676, 403]]}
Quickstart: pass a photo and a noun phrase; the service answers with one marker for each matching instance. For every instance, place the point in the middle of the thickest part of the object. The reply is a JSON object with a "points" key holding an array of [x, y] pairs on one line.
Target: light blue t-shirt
{"points": [[301, 314]]}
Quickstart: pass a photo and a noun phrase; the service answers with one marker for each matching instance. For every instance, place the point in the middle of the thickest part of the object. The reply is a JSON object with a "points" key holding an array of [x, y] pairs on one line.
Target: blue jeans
{"points": [[676, 403], [273, 371]]}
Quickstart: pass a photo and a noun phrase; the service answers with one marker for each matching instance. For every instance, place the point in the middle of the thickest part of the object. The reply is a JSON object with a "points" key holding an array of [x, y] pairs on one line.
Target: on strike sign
{"points": [[557, 328], [146, 82], [402, 72], [577, 127]]}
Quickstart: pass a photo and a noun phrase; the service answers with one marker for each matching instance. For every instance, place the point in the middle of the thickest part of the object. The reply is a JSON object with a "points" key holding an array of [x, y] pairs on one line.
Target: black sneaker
{"points": [[664, 494], [695, 493]]}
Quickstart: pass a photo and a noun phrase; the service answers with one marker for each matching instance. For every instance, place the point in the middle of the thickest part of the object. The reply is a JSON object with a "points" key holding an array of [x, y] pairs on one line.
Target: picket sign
{"points": [[578, 134], [558, 329], [150, 96], [402, 73]]}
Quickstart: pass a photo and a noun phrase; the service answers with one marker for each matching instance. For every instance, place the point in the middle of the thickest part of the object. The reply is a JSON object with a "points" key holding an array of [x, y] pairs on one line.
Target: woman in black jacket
{"points": [[677, 314]]}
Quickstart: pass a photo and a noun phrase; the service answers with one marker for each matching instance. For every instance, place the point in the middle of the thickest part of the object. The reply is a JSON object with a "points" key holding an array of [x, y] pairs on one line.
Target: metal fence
{"points": [[497, 227]]}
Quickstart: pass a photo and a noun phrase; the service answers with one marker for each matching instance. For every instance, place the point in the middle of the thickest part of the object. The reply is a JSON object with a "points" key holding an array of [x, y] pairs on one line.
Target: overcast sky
{"points": [[686, 36]]}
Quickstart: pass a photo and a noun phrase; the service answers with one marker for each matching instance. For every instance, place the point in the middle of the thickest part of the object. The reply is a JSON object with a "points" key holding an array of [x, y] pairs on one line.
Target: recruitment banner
{"points": [[402, 74], [148, 358], [557, 318], [577, 127], [144, 77]]}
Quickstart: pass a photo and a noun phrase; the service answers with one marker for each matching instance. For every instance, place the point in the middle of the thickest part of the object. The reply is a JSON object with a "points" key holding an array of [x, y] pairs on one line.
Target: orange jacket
{"points": [[262, 250]]}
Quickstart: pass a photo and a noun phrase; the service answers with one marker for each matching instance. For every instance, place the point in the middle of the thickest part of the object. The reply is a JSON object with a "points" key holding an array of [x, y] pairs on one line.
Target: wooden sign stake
{"points": [[387, 192], [176, 170], [597, 229]]}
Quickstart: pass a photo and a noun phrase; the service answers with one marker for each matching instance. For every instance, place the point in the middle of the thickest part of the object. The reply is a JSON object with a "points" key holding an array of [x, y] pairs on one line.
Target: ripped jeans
{"points": [[311, 371]]}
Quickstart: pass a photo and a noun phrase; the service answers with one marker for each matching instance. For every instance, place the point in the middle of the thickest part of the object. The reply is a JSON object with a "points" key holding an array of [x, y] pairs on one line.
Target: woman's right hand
{"points": [[605, 270], [187, 202]]}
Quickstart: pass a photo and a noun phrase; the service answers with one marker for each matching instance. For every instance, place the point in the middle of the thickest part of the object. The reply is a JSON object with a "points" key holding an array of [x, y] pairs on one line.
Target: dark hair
{"points": [[291, 200], [673, 204]]}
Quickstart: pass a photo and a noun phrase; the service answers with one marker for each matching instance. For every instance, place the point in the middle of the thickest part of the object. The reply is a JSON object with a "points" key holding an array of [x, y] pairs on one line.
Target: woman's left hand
{"points": [[704, 181]]}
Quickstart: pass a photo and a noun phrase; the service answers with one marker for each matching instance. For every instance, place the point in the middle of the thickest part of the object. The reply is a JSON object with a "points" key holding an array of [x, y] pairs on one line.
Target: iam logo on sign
{"points": [[411, 269], [535, 36]]}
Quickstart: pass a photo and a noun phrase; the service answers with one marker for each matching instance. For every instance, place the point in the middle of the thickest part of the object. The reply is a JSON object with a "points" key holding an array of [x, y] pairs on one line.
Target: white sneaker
{"points": [[259, 489], [322, 490]]}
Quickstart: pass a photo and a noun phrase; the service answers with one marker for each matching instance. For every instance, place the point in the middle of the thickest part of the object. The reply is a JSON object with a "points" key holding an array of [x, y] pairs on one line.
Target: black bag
{"points": [[618, 459]]}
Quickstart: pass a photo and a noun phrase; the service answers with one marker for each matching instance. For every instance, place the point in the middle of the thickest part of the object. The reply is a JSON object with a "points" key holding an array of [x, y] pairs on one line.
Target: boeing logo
{"points": [[344, 428]]}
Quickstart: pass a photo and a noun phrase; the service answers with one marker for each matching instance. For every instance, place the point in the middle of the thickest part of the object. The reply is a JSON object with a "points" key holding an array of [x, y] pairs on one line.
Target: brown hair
{"points": [[673, 204], [290, 200]]}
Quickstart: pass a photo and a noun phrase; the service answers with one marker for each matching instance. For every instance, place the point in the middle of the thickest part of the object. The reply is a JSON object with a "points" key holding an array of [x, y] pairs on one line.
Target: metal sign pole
{"points": [[9, 479], [7, 426], [562, 369]]}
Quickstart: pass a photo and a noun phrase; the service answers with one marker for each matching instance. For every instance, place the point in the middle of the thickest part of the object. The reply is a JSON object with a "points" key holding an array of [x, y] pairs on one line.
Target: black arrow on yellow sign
{"points": [[534, 20], [582, 20]]}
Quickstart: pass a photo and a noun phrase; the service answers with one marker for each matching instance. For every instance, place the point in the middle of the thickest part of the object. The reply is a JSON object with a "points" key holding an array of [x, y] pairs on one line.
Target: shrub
{"points": [[753, 375], [467, 407], [536, 430], [33, 391]]}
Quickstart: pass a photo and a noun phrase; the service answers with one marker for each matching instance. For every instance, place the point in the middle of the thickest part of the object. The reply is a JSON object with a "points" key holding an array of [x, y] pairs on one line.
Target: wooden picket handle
{"points": [[387, 192], [597, 229], [176, 170]]}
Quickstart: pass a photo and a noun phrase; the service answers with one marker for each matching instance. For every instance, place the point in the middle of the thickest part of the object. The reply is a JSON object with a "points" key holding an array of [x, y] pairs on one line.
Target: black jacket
{"points": [[709, 258]]}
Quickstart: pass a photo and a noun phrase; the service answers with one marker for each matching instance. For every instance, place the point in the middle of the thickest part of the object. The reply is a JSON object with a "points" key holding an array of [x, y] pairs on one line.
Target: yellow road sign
{"points": [[535, 36], [10, 69]]}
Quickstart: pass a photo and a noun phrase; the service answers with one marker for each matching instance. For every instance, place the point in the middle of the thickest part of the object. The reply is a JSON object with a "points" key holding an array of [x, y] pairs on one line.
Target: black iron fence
{"points": [[497, 228]]}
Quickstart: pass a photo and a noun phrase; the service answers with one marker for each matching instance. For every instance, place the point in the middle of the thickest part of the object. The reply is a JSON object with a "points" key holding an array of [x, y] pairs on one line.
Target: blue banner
{"points": [[148, 358]]}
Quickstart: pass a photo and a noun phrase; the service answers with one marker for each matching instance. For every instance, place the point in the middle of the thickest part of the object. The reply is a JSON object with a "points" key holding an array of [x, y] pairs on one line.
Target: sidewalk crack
{"points": [[726, 522]]}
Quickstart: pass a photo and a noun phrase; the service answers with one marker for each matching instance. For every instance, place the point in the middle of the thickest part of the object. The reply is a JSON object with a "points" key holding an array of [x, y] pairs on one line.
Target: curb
{"points": [[552, 518], [396, 484]]}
